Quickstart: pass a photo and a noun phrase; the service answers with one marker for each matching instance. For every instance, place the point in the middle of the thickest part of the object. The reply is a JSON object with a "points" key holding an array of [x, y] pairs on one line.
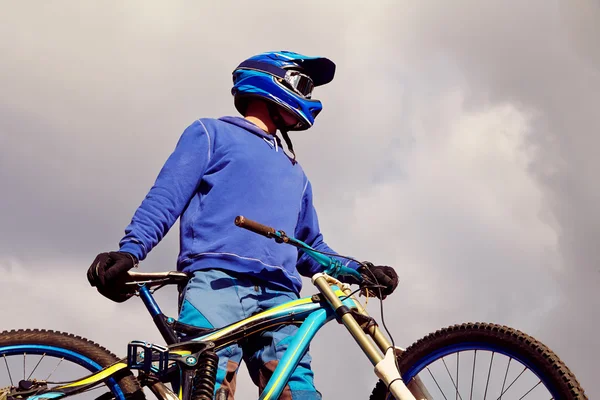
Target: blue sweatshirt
{"points": [[219, 169]]}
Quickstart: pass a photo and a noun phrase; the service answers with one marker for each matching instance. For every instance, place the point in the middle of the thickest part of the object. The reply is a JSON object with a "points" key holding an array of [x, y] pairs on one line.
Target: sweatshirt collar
{"points": [[247, 125], [252, 128]]}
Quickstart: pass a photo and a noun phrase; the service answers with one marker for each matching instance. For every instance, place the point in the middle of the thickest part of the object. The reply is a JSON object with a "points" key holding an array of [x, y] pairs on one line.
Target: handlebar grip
{"points": [[254, 226]]}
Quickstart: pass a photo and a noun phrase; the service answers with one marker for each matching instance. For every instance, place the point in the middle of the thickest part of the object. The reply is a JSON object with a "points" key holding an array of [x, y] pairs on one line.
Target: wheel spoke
{"points": [[473, 374], [436, 383], [488, 377], [505, 375], [61, 360], [522, 397], [36, 365], [512, 383], [24, 357], [457, 361], [450, 375], [8, 369]]}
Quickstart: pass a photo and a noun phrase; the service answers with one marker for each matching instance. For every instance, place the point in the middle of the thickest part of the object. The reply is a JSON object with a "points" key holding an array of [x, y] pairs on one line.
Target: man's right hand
{"points": [[107, 272]]}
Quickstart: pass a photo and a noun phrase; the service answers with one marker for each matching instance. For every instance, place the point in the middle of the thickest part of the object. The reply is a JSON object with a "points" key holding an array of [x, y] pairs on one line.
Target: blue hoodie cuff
{"points": [[352, 264], [133, 248]]}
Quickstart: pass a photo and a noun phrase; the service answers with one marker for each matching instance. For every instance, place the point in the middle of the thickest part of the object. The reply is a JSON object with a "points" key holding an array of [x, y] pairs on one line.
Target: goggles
{"points": [[299, 83], [294, 80]]}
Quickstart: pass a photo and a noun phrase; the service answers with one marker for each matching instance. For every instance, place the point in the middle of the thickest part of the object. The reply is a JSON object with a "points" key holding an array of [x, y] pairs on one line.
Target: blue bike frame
{"points": [[313, 315], [310, 312]]}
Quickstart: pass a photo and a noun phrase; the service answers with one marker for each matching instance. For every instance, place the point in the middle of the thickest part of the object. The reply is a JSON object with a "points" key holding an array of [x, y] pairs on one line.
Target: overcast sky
{"points": [[458, 143]]}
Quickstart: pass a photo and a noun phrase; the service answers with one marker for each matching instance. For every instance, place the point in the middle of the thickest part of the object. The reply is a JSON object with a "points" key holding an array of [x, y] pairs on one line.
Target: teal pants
{"points": [[215, 298]]}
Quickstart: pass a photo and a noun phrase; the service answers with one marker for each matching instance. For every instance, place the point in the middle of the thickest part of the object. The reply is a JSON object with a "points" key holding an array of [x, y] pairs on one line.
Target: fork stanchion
{"points": [[377, 334], [348, 320]]}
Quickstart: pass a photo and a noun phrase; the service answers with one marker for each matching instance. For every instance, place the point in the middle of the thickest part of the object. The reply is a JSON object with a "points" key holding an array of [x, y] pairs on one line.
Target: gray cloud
{"points": [[539, 55], [457, 143]]}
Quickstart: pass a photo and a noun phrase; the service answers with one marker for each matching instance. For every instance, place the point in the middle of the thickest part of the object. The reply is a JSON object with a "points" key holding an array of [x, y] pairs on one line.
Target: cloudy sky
{"points": [[458, 143]]}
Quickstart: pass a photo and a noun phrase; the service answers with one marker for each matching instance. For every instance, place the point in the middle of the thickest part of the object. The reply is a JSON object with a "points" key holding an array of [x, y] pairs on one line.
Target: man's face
{"points": [[288, 118]]}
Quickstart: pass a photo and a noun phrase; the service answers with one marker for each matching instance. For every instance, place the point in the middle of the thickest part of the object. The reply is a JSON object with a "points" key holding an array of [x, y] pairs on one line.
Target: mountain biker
{"points": [[233, 166]]}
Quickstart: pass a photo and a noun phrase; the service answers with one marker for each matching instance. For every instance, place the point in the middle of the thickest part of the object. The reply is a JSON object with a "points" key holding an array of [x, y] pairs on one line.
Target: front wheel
{"points": [[33, 360], [483, 361]]}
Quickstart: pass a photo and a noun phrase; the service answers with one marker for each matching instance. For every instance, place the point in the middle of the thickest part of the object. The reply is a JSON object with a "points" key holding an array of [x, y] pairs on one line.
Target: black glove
{"points": [[378, 279], [107, 272]]}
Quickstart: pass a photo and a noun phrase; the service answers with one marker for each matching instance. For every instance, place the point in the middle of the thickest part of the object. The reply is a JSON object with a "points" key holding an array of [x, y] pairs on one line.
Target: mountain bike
{"points": [[470, 360]]}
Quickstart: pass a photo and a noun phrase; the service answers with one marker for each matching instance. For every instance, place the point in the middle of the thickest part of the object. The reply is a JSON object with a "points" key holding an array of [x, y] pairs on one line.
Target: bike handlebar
{"points": [[254, 226], [334, 267]]}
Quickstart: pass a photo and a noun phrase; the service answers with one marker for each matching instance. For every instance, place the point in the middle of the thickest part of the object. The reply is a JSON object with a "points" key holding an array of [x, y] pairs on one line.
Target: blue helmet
{"points": [[285, 79]]}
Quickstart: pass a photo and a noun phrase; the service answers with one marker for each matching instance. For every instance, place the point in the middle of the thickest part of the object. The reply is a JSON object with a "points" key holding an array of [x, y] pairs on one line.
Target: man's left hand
{"points": [[382, 275]]}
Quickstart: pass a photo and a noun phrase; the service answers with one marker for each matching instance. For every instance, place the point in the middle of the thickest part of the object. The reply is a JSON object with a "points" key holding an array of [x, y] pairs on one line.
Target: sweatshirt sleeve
{"points": [[308, 231], [175, 185]]}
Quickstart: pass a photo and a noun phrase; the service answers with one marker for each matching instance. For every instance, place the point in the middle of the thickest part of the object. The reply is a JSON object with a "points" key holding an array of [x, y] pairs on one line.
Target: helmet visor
{"points": [[299, 83]]}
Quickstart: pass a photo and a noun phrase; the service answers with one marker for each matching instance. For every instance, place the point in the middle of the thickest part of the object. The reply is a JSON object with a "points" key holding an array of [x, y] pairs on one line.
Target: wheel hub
{"points": [[25, 389]]}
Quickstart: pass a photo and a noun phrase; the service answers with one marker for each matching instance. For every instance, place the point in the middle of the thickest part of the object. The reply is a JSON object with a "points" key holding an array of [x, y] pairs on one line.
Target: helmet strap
{"points": [[275, 115], [288, 143]]}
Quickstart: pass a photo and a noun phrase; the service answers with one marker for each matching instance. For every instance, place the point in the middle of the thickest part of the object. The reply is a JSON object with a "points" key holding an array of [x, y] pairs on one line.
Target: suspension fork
{"points": [[416, 385], [375, 345]]}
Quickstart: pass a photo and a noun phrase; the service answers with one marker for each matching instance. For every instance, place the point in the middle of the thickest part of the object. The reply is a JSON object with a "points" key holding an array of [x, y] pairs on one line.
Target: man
{"points": [[233, 166]]}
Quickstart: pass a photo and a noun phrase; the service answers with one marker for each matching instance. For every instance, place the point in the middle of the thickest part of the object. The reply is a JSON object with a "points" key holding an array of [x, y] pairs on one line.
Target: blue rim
{"points": [[418, 366], [70, 355]]}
